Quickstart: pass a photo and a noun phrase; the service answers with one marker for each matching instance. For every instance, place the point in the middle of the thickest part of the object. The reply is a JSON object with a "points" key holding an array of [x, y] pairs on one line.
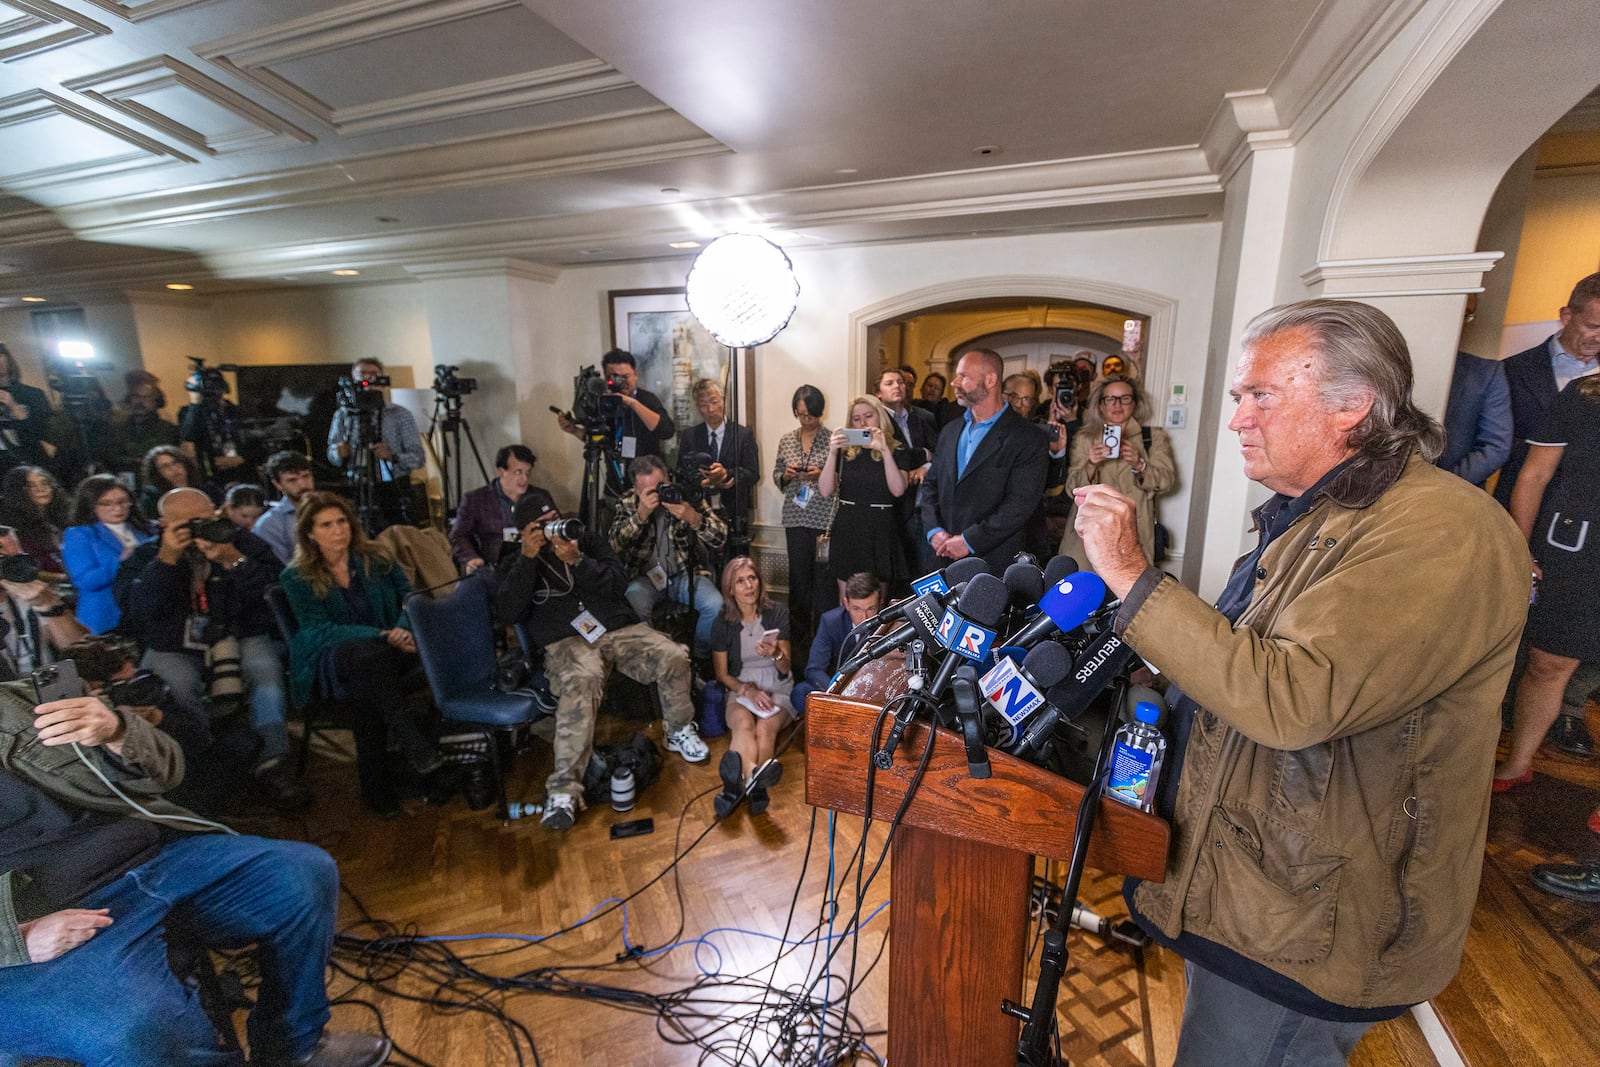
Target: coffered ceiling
{"points": [[249, 141]]}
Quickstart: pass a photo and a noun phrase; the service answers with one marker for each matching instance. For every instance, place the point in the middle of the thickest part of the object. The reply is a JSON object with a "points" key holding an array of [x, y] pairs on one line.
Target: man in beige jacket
{"points": [[1333, 744]]}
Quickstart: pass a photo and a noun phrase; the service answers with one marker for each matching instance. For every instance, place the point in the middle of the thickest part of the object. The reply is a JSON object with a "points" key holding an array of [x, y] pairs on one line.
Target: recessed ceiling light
{"points": [[669, 190], [33, 300], [181, 287], [387, 218], [846, 170], [346, 272], [683, 244], [986, 150], [593, 251]]}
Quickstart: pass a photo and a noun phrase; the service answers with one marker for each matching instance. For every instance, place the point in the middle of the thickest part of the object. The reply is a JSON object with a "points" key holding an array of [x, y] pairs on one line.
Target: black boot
{"points": [[731, 770], [767, 775]]}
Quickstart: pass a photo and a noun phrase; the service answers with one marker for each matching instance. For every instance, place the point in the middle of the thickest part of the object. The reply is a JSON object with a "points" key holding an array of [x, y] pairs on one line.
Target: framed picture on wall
{"points": [[673, 351]]}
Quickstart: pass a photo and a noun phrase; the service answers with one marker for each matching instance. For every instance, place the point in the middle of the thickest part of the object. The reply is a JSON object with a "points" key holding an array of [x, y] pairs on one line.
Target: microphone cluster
{"points": [[1060, 654]]}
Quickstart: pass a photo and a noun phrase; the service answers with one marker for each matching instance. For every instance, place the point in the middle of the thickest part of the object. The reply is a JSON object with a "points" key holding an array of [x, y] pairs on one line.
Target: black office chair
{"points": [[317, 709], [455, 638]]}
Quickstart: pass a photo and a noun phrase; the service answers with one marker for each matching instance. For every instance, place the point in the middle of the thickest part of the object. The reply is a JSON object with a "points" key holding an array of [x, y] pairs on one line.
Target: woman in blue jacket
{"points": [[354, 641], [106, 528]]}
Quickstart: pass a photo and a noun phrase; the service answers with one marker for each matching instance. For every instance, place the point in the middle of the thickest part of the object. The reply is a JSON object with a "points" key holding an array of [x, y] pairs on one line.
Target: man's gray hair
{"points": [[1361, 355]]}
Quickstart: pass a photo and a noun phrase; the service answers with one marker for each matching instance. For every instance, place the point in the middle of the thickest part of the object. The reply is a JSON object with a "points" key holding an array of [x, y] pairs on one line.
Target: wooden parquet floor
{"points": [[1528, 991]]}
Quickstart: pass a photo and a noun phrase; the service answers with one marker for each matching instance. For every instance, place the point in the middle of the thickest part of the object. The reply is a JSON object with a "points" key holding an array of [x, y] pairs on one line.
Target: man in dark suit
{"points": [[916, 434], [729, 481], [1538, 374], [863, 596], [988, 471], [1535, 377], [484, 527]]}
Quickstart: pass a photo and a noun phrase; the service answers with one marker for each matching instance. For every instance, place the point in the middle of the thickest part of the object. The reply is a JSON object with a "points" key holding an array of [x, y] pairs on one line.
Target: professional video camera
{"points": [[362, 395], [447, 382], [596, 403], [207, 383]]}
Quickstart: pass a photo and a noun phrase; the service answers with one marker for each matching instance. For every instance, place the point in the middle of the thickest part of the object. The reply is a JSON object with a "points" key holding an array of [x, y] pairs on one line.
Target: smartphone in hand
{"points": [[1111, 437], [57, 681]]}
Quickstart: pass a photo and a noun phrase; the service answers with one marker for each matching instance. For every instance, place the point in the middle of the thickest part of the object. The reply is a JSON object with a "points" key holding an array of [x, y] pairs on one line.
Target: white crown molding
{"points": [[626, 139], [1339, 44], [1244, 122], [82, 282], [341, 27], [35, 32], [503, 267], [167, 298], [565, 82], [37, 105], [1435, 275], [38, 226], [120, 88], [148, 10]]}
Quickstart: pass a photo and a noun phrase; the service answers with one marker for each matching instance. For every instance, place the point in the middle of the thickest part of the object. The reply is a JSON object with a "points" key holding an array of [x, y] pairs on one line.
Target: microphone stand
{"points": [[1033, 1049]]}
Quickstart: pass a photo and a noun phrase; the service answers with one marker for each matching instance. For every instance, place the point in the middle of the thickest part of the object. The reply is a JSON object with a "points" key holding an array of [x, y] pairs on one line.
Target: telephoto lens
{"points": [[622, 789], [566, 529], [20, 569]]}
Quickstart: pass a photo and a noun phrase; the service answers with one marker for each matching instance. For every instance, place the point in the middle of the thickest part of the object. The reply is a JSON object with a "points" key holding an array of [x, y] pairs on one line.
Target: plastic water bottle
{"points": [[622, 789], [523, 811], [1136, 758]]}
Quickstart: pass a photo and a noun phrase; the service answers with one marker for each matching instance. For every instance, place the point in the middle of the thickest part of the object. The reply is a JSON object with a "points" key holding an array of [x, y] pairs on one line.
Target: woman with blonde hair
{"points": [[751, 654], [867, 481], [1140, 472], [354, 642]]}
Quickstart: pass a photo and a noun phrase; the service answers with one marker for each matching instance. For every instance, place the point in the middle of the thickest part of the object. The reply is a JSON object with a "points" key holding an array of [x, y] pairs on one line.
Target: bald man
{"points": [[184, 596]]}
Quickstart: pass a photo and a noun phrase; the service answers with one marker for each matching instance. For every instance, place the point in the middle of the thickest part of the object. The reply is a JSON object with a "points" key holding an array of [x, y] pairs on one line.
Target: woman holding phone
{"points": [[1110, 450], [862, 473], [801, 454], [750, 652]]}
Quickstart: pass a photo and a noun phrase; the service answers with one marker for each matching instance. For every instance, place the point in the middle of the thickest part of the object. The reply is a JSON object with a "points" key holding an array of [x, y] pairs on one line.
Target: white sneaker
{"points": [[685, 741], [559, 812]]}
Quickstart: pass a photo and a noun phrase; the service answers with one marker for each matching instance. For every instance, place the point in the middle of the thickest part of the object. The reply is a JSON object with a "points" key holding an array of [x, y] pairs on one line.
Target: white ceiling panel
{"points": [[45, 140], [28, 27]]}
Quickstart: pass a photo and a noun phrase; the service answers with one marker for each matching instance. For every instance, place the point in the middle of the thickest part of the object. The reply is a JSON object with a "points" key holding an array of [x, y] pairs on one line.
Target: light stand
{"points": [[743, 290]]}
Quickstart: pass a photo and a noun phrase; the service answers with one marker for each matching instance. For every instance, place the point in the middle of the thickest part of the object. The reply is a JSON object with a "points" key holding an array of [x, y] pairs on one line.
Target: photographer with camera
{"points": [[209, 425], [92, 893], [374, 440], [565, 586], [34, 623], [484, 526], [641, 425], [659, 535], [196, 599]]}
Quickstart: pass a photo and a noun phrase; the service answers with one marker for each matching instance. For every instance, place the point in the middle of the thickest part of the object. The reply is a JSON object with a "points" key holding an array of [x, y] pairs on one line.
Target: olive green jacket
{"points": [[1334, 797], [57, 771]]}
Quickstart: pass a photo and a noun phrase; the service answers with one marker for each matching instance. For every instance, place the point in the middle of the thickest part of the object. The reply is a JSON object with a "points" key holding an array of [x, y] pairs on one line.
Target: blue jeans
{"points": [[643, 596], [115, 1001], [260, 663], [1225, 1025]]}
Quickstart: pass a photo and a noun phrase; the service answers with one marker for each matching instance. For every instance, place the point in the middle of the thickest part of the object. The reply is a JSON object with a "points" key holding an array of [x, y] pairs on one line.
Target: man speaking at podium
{"points": [[1335, 732]]}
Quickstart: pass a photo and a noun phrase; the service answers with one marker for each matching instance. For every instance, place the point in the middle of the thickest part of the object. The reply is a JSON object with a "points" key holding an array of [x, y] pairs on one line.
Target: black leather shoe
{"points": [[730, 769], [1575, 881], [766, 776], [342, 1048], [1570, 735]]}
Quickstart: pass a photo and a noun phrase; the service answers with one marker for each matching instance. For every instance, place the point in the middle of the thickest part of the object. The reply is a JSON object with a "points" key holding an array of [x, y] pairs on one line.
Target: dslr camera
{"points": [[447, 382], [217, 530], [566, 529], [669, 493]]}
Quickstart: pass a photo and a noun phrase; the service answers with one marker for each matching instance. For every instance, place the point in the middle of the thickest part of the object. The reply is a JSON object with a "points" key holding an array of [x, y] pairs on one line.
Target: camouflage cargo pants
{"points": [[578, 670]]}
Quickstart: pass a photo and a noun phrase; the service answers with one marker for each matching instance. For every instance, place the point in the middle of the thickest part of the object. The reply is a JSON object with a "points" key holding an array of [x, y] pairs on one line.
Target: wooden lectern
{"points": [[962, 862]]}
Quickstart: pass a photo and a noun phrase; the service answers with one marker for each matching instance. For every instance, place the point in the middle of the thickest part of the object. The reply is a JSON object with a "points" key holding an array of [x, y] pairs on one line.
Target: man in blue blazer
{"points": [[988, 471], [1477, 420], [863, 596]]}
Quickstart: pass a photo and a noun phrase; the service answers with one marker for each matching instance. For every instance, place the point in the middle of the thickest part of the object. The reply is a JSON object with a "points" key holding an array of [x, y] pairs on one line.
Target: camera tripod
{"points": [[449, 423], [596, 485], [364, 471]]}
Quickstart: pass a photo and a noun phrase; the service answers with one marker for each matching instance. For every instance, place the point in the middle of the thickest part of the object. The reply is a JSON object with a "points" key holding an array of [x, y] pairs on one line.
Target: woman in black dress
{"points": [[1556, 502], [866, 481]]}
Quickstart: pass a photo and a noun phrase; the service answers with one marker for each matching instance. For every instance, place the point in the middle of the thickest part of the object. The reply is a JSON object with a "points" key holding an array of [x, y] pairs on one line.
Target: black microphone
{"points": [[938, 582], [1016, 690], [1025, 584], [967, 629], [1058, 568], [1101, 660]]}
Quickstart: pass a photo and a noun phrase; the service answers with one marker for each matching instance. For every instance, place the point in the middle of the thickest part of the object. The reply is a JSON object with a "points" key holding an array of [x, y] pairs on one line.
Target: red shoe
{"points": [[1594, 821], [1506, 785]]}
